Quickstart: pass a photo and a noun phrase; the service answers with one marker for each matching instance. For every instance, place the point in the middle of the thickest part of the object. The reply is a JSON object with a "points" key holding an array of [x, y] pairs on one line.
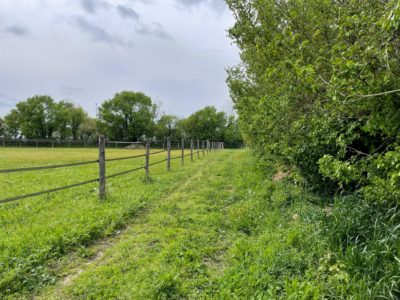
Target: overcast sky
{"points": [[175, 51]]}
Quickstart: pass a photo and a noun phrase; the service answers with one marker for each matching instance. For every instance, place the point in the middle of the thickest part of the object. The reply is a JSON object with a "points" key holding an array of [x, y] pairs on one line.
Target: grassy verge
{"points": [[226, 233], [220, 228]]}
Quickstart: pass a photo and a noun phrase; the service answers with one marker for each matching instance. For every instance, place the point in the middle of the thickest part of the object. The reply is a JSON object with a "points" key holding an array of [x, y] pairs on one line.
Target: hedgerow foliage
{"points": [[318, 88]]}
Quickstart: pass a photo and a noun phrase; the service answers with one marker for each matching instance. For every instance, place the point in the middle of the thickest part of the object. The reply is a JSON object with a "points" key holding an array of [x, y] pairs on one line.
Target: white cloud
{"points": [[88, 53]]}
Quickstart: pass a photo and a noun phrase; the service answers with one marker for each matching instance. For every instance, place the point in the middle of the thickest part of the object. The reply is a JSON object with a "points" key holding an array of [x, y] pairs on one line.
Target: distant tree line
{"points": [[128, 116]]}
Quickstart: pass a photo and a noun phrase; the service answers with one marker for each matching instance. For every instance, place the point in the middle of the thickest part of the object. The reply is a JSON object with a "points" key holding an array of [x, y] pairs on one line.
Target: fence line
{"points": [[102, 165], [46, 191], [48, 167], [124, 158], [124, 172], [19, 142], [64, 143]]}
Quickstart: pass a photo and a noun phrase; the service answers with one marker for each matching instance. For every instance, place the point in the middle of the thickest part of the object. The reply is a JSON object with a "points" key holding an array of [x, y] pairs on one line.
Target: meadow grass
{"points": [[38, 230], [223, 227], [226, 233]]}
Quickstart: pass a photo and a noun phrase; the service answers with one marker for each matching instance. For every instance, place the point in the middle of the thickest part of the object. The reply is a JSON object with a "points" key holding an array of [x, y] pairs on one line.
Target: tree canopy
{"points": [[168, 126], [88, 129], [2, 127], [41, 117], [206, 123], [33, 118], [68, 119], [127, 116], [232, 135]]}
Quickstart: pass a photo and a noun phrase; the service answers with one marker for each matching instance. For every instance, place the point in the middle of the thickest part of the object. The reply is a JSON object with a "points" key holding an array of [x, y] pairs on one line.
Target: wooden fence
{"points": [[54, 143], [203, 148]]}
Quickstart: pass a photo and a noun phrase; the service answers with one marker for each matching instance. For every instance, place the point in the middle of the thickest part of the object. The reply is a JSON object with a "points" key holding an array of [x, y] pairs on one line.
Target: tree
{"points": [[204, 124], [68, 119], [88, 129], [232, 135], [2, 127], [78, 116], [167, 126], [128, 116], [12, 127], [33, 118]]}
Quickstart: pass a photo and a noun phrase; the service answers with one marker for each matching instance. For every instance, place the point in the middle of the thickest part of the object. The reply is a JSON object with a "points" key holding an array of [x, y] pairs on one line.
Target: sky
{"points": [[85, 51]]}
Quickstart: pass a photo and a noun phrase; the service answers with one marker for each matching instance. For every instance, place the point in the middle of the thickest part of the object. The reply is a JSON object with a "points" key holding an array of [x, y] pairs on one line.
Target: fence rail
{"points": [[207, 147], [53, 143], [48, 167]]}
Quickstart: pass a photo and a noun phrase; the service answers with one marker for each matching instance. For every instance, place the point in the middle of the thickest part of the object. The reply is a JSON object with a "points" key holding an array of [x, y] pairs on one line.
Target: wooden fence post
{"points": [[102, 167], [183, 152], [168, 154], [198, 148], [202, 146], [191, 150], [147, 158]]}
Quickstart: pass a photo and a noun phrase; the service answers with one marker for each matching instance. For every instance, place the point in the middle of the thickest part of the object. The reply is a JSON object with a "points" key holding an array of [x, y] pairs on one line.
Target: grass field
{"points": [[38, 230], [222, 227]]}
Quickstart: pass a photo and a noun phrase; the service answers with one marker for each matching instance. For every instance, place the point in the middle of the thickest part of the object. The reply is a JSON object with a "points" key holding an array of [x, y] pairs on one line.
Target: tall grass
{"points": [[365, 238]]}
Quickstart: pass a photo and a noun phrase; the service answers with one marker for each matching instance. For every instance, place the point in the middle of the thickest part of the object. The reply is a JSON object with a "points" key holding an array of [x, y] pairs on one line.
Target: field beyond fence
{"points": [[201, 148]]}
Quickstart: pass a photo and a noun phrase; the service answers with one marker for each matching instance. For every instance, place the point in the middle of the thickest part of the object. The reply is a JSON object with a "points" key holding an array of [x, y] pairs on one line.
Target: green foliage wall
{"points": [[318, 89]]}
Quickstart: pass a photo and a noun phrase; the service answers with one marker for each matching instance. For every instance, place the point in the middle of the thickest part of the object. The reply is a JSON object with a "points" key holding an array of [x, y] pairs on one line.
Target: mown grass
{"points": [[232, 232], [221, 228], [36, 231], [227, 233]]}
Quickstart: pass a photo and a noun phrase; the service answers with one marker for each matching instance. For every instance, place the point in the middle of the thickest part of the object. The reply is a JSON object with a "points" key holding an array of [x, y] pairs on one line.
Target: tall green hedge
{"points": [[318, 90]]}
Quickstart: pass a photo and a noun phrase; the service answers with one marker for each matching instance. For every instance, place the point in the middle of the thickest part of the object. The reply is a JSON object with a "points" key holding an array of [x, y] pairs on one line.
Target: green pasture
{"points": [[226, 226], [41, 229]]}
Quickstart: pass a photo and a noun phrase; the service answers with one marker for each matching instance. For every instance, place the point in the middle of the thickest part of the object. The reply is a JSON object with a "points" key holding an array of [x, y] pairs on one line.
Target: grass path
{"points": [[225, 228], [171, 250]]}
